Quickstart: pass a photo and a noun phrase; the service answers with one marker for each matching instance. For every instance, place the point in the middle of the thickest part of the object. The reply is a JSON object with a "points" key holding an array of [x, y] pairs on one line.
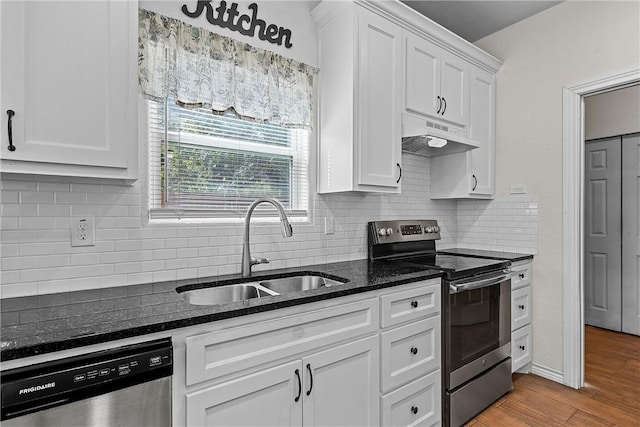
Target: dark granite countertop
{"points": [[479, 253], [47, 323]]}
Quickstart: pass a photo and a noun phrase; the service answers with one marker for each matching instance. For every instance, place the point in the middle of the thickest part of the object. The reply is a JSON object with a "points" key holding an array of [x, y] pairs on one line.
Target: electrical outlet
{"points": [[82, 231], [328, 225], [518, 189]]}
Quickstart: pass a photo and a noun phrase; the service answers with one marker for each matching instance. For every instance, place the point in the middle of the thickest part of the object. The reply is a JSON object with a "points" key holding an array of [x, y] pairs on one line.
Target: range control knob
{"points": [[436, 229], [382, 232], [389, 231], [428, 229]]}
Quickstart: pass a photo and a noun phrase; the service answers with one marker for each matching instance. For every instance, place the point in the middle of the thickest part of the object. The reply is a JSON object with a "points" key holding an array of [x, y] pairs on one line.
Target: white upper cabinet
{"points": [[69, 75], [437, 82], [482, 130], [471, 175], [360, 100]]}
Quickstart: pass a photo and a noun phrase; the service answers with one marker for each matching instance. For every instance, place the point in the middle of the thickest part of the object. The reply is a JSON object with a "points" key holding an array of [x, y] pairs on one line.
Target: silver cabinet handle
{"points": [[462, 286]]}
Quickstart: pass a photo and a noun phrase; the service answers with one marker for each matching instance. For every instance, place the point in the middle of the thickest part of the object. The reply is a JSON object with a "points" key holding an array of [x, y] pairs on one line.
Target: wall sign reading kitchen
{"points": [[229, 17]]}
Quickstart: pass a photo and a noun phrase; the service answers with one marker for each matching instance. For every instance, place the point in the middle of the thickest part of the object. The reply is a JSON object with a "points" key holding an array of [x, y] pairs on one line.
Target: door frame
{"points": [[573, 217]]}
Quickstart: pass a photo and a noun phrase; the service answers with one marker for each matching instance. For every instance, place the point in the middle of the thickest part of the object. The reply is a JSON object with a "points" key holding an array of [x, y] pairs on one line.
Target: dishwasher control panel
{"points": [[92, 373]]}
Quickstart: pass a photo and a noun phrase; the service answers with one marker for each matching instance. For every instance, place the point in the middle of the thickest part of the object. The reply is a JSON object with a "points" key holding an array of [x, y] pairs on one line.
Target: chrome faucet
{"points": [[287, 231]]}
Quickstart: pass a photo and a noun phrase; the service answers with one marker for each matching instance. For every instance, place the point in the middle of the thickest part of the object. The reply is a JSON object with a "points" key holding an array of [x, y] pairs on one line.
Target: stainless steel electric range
{"points": [[476, 314]]}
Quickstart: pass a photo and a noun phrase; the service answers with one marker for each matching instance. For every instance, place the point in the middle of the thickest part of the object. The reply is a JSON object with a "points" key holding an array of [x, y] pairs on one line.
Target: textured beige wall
{"points": [[571, 43], [612, 113]]}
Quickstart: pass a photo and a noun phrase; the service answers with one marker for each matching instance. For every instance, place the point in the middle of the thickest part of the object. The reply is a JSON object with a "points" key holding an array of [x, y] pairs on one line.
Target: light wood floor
{"points": [[611, 396]]}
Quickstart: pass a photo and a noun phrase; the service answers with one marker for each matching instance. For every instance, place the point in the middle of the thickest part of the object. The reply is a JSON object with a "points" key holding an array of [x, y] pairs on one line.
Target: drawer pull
{"points": [[311, 377], [414, 350], [299, 385], [414, 409], [414, 304], [522, 347], [521, 307], [521, 275]]}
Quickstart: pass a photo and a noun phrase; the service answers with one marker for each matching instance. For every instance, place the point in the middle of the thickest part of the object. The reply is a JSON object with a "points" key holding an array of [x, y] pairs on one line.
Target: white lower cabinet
{"points": [[521, 349], [521, 317], [416, 404], [313, 364], [333, 387], [410, 355], [340, 385], [264, 398], [327, 363], [409, 351]]}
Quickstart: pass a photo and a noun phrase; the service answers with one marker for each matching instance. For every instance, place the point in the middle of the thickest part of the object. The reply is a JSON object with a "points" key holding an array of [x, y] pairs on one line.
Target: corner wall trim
{"points": [[572, 220]]}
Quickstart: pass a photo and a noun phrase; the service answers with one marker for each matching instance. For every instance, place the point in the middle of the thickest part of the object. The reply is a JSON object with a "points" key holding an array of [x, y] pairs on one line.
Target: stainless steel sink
{"points": [[298, 283], [245, 291], [225, 294]]}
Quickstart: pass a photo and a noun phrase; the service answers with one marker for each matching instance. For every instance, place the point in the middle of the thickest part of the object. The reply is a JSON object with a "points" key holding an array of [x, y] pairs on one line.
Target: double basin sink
{"points": [[256, 289]]}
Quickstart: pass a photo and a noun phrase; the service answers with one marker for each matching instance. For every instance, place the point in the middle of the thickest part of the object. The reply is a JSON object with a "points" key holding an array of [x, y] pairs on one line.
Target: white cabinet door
{"points": [[69, 74], [379, 81], [341, 385], [436, 82], [422, 76], [454, 89], [265, 398], [482, 130]]}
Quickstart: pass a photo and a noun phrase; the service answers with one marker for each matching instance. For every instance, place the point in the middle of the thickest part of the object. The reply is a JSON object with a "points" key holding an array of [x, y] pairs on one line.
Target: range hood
{"points": [[424, 139]]}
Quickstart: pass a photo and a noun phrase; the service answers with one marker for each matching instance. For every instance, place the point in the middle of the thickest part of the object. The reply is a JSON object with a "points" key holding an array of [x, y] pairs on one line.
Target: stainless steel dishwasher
{"points": [[124, 386]]}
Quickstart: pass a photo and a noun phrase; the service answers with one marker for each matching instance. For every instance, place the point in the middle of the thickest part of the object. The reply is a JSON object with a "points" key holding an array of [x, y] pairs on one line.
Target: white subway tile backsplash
{"points": [[18, 211], [35, 197], [20, 185], [70, 198], [7, 196], [42, 260]]}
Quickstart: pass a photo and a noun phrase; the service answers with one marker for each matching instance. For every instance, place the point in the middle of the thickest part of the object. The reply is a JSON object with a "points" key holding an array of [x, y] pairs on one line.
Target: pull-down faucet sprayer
{"points": [[287, 231]]}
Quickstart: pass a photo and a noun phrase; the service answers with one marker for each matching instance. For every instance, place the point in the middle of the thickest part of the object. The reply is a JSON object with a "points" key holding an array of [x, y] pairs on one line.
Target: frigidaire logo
{"points": [[37, 388]]}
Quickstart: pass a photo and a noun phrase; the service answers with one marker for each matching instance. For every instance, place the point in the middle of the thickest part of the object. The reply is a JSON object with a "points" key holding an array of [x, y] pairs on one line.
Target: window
{"points": [[245, 133], [217, 165]]}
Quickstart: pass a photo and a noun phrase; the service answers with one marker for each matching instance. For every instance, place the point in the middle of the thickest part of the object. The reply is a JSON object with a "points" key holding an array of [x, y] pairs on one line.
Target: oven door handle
{"points": [[462, 286]]}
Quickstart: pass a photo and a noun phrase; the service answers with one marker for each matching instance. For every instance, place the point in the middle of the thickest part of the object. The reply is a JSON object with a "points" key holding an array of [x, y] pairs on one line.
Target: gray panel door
{"points": [[631, 234], [602, 252]]}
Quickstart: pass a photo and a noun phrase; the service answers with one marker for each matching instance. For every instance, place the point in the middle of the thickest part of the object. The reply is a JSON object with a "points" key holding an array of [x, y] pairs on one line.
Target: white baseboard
{"points": [[548, 373]]}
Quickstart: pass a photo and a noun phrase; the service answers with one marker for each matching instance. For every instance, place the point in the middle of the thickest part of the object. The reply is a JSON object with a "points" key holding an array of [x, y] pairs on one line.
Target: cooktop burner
{"points": [[455, 266], [412, 243]]}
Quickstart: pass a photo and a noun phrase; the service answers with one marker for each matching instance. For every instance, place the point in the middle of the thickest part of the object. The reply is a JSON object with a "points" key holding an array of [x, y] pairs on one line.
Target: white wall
{"points": [[37, 257], [568, 44], [293, 15], [612, 113]]}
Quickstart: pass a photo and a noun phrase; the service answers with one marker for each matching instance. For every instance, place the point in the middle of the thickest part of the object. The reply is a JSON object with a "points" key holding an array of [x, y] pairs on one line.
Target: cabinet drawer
{"points": [[213, 354], [417, 403], [522, 274], [411, 304], [410, 351], [520, 348], [520, 307]]}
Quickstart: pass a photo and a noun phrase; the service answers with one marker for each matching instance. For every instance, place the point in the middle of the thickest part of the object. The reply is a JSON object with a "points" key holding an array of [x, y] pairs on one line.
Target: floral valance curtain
{"points": [[203, 69]]}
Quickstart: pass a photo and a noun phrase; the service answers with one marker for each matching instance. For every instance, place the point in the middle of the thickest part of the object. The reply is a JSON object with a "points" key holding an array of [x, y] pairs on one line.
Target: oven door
{"points": [[477, 332]]}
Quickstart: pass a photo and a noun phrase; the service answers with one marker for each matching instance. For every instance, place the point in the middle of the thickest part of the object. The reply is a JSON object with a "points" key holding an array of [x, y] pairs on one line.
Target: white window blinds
{"points": [[216, 165]]}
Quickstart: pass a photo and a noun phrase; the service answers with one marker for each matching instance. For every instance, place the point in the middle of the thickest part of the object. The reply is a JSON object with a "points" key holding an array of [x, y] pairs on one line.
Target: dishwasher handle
{"points": [[466, 285]]}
